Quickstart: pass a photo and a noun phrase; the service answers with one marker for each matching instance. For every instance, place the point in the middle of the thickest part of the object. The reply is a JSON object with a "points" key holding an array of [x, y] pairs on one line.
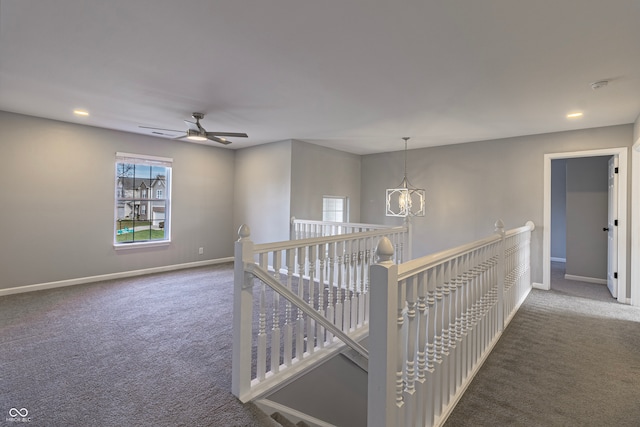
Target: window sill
{"points": [[140, 245]]}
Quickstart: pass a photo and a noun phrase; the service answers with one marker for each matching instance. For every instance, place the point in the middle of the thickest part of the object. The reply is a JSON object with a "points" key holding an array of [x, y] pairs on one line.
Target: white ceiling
{"points": [[355, 75]]}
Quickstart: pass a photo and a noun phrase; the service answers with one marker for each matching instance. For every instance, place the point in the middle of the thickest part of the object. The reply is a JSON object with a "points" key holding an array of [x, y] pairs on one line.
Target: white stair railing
{"points": [[275, 338], [305, 228], [435, 319]]}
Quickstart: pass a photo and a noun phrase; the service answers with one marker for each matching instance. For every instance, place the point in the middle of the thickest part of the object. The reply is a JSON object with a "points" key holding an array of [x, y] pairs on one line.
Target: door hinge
{"points": [[615, 275], [615, 222], [615, 170]]}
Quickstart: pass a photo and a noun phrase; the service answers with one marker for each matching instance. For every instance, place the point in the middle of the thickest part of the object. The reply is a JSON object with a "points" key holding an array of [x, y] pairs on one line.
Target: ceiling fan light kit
{"points": [[196, 132], [195, 135]]}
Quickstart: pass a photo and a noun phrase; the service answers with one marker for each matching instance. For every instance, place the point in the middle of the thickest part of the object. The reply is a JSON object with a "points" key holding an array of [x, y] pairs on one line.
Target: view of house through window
{"points": [[334, 209], [143, 196]]}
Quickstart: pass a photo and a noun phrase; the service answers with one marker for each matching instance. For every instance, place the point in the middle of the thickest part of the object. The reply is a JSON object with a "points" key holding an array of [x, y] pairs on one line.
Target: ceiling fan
{"points": [[196, 132]]}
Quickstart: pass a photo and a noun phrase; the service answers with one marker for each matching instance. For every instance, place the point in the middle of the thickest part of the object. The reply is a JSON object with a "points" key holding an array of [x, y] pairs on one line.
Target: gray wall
{"points": [[587, 213], [263, 191], [559, 209], [318, 171], [469, 186], [288, 178], [58, 185], [58, 197]]}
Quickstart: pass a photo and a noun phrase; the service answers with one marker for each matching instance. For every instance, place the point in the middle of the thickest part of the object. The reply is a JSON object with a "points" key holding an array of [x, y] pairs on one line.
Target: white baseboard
{"points": [[586, 279], [111, 276], [556, 259], [536, 285]]}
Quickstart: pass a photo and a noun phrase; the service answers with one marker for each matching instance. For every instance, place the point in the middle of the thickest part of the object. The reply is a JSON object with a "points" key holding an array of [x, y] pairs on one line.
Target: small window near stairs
{"points": [[335, 209]]}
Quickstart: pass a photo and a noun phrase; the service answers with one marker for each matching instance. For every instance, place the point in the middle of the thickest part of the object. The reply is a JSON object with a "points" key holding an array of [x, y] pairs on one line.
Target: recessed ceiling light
{"points": [[574, 115], [81, 113]]}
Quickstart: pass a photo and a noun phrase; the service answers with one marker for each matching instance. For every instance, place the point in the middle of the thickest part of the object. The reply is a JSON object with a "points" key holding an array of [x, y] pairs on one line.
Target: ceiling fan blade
{"points": [[179, 137], [161, 133], [192, 125], [220, 140], [168, 130], [232, 134]]}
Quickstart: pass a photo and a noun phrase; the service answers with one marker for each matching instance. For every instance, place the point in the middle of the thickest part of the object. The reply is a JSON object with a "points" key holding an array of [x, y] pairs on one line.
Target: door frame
{"points": [[635, 223], [622, 215]]}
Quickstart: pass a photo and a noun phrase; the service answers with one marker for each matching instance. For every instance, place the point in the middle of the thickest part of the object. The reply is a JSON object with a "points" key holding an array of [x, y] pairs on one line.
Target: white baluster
{"points": [[311, 326], [340, 284], [439, 306], [464, 316], [262, 327], [453, 349], [364, 265], [354, 286], [470, 302], [446, 308], [401, 355], [412, 330], [331, 285], [275, 331], [367, 282], [288, 319], [321, 286], [431, 348], [421, 353], [300, 319], [459, 283], [346, 302]]}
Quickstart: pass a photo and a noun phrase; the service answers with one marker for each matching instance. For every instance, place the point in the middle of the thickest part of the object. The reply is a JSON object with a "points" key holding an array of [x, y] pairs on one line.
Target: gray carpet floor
{"points": [[156, 351], [145, 351], [570, 357]]}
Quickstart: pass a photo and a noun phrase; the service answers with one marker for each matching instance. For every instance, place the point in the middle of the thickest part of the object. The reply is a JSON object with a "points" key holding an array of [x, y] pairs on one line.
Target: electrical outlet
{"points": [[201, 251]]}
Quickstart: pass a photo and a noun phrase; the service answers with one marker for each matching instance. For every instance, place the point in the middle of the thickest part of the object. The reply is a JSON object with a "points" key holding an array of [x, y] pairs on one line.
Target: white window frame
{"points": [[345, 207], [143, 159]]}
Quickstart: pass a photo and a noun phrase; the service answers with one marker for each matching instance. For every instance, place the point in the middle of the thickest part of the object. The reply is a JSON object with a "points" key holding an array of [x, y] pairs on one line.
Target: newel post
{"points": [[382, 402], [501, 273], [292, 228], [242, 315]]}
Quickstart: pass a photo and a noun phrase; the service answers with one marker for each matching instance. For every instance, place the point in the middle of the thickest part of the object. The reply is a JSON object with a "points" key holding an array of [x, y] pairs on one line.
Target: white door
{"points": [[612, 228]]}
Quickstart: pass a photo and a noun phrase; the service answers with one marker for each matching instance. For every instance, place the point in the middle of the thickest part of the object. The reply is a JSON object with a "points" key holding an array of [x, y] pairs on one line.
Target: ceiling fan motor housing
{"points": [[196, 134]]}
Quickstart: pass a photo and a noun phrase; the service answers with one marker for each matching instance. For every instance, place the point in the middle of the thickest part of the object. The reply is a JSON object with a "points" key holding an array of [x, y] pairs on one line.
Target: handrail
{"points": [[302, 305], [418, 265], [290, 244], [340, 224], [529, 226], [426, 262]]}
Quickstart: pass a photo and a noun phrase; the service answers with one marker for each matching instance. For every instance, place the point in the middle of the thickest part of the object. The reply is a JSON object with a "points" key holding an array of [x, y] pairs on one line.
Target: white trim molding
{"points": [[110, 276], [634, 298], [586, 279], [621, 152]]}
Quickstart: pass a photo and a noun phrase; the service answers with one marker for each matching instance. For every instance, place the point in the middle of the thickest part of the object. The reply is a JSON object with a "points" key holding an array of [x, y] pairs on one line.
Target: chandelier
{"points": [[406, 200]]}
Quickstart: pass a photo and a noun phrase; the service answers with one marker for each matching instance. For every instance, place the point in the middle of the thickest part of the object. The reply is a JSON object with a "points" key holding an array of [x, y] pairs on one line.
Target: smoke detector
{"points": [[599, 84]]}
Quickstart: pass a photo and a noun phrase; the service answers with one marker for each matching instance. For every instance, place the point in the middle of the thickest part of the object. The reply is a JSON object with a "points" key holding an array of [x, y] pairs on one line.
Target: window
{"points": [[139, 218], [334, 209]]}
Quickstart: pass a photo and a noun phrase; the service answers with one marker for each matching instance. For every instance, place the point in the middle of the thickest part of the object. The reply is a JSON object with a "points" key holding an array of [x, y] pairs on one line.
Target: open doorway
{"points": [[599, 225], [579, 216]]}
